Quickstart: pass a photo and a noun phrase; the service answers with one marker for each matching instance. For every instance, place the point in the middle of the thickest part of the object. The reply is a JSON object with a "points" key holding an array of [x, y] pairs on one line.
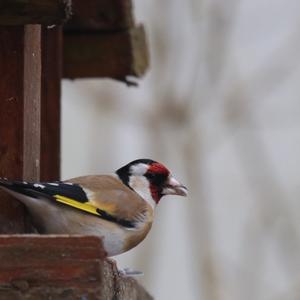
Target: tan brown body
{"points": [[119, 208], [120, 200], [113, 196]]}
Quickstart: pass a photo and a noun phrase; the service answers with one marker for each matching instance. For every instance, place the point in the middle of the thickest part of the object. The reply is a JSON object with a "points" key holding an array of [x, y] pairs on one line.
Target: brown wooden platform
{"points": [[61, 267]]}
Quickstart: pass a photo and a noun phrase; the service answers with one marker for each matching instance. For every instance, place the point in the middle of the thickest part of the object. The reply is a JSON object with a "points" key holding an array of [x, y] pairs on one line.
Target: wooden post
{"points": [[20, 95], [30, 64], [50, 103], [32, 102]]}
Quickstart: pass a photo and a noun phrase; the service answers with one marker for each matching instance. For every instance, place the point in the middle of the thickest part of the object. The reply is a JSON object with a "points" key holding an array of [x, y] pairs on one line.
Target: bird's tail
{"points": [[4, 182], [15, 186]]}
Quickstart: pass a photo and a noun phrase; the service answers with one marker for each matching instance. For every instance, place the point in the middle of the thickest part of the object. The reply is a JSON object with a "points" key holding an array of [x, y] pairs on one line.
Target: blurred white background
{"points": [[220, 107]]}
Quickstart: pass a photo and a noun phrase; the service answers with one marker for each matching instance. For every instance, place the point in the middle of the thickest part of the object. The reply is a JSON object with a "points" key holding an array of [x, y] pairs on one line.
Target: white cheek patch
{"points": [[141, 186], [139, 169]]}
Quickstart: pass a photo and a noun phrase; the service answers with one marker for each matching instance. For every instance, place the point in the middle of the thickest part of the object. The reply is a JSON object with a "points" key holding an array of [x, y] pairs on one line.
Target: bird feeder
{"points": [[40, 43]]}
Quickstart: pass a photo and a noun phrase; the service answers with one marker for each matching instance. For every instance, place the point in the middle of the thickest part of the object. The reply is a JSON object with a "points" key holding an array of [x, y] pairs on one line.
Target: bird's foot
{"points": [[129, 272]]}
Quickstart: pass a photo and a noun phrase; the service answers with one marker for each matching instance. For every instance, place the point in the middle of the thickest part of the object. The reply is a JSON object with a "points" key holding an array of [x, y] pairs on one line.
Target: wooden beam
{"points": [[114, 55], [22, 12], [94, 15], [50, 103]]}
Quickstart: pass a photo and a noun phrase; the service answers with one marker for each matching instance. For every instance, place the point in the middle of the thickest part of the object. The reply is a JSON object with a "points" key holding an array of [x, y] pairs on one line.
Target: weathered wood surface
{"points": [[61, 267], [22, 12], [50, 103], [114, 55], [20, 58], [30, 64], [95, 15], [50, 267], [32, 102]]}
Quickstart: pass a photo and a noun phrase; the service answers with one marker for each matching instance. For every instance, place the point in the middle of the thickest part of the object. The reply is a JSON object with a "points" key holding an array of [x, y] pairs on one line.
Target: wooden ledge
{"points": [[61, 267]]}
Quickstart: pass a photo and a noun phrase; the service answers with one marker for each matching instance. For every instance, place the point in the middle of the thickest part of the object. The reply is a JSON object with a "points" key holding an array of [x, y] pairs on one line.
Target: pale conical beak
{"points": [[174, 187]]}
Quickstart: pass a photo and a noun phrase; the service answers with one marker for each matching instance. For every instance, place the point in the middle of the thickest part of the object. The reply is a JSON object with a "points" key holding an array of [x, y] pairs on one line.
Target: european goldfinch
{"points": [[118, 207]]}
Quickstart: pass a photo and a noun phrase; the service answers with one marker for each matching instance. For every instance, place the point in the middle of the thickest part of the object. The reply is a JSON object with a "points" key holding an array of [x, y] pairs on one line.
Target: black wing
{"points": [[50, 189], [70, 194]]}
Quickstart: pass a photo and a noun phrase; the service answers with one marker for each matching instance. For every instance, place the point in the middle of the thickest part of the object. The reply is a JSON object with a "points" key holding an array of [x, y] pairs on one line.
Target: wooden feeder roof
{"points": [[101, 38]]}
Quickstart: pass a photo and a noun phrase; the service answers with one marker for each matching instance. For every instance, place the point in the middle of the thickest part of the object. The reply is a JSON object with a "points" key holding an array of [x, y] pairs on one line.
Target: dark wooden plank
{"points": [[31, 264], [29, 129], [11, 123], [22, 12], [46, 249], [19, 116], [11, 100], [61, 267], [114, 55], [50, 110], [94, 15], [20, 291], [56, 267]]}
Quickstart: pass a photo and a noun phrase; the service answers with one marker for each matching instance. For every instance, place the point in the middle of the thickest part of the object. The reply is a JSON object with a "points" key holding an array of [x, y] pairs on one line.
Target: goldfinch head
{"points": [[150, 179]]}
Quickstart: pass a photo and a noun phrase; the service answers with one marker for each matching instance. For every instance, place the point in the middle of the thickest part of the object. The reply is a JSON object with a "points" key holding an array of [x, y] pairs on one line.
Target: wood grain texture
{"points": [[11, 123], [105, 15], [50, 103], [61, 267], [22, 12], [32, 103], [11, 101], [56, 267], [30, 59], [20, 60], [114, 55]]}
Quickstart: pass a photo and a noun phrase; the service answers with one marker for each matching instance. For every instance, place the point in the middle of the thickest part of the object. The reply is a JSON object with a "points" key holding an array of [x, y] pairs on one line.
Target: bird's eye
{"points": [[156, 179], [150, 175]]}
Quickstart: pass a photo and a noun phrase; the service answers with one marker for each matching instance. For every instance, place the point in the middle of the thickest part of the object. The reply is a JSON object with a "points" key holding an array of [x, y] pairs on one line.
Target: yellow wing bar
{"points": [[87, 207], [82, 206]]}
